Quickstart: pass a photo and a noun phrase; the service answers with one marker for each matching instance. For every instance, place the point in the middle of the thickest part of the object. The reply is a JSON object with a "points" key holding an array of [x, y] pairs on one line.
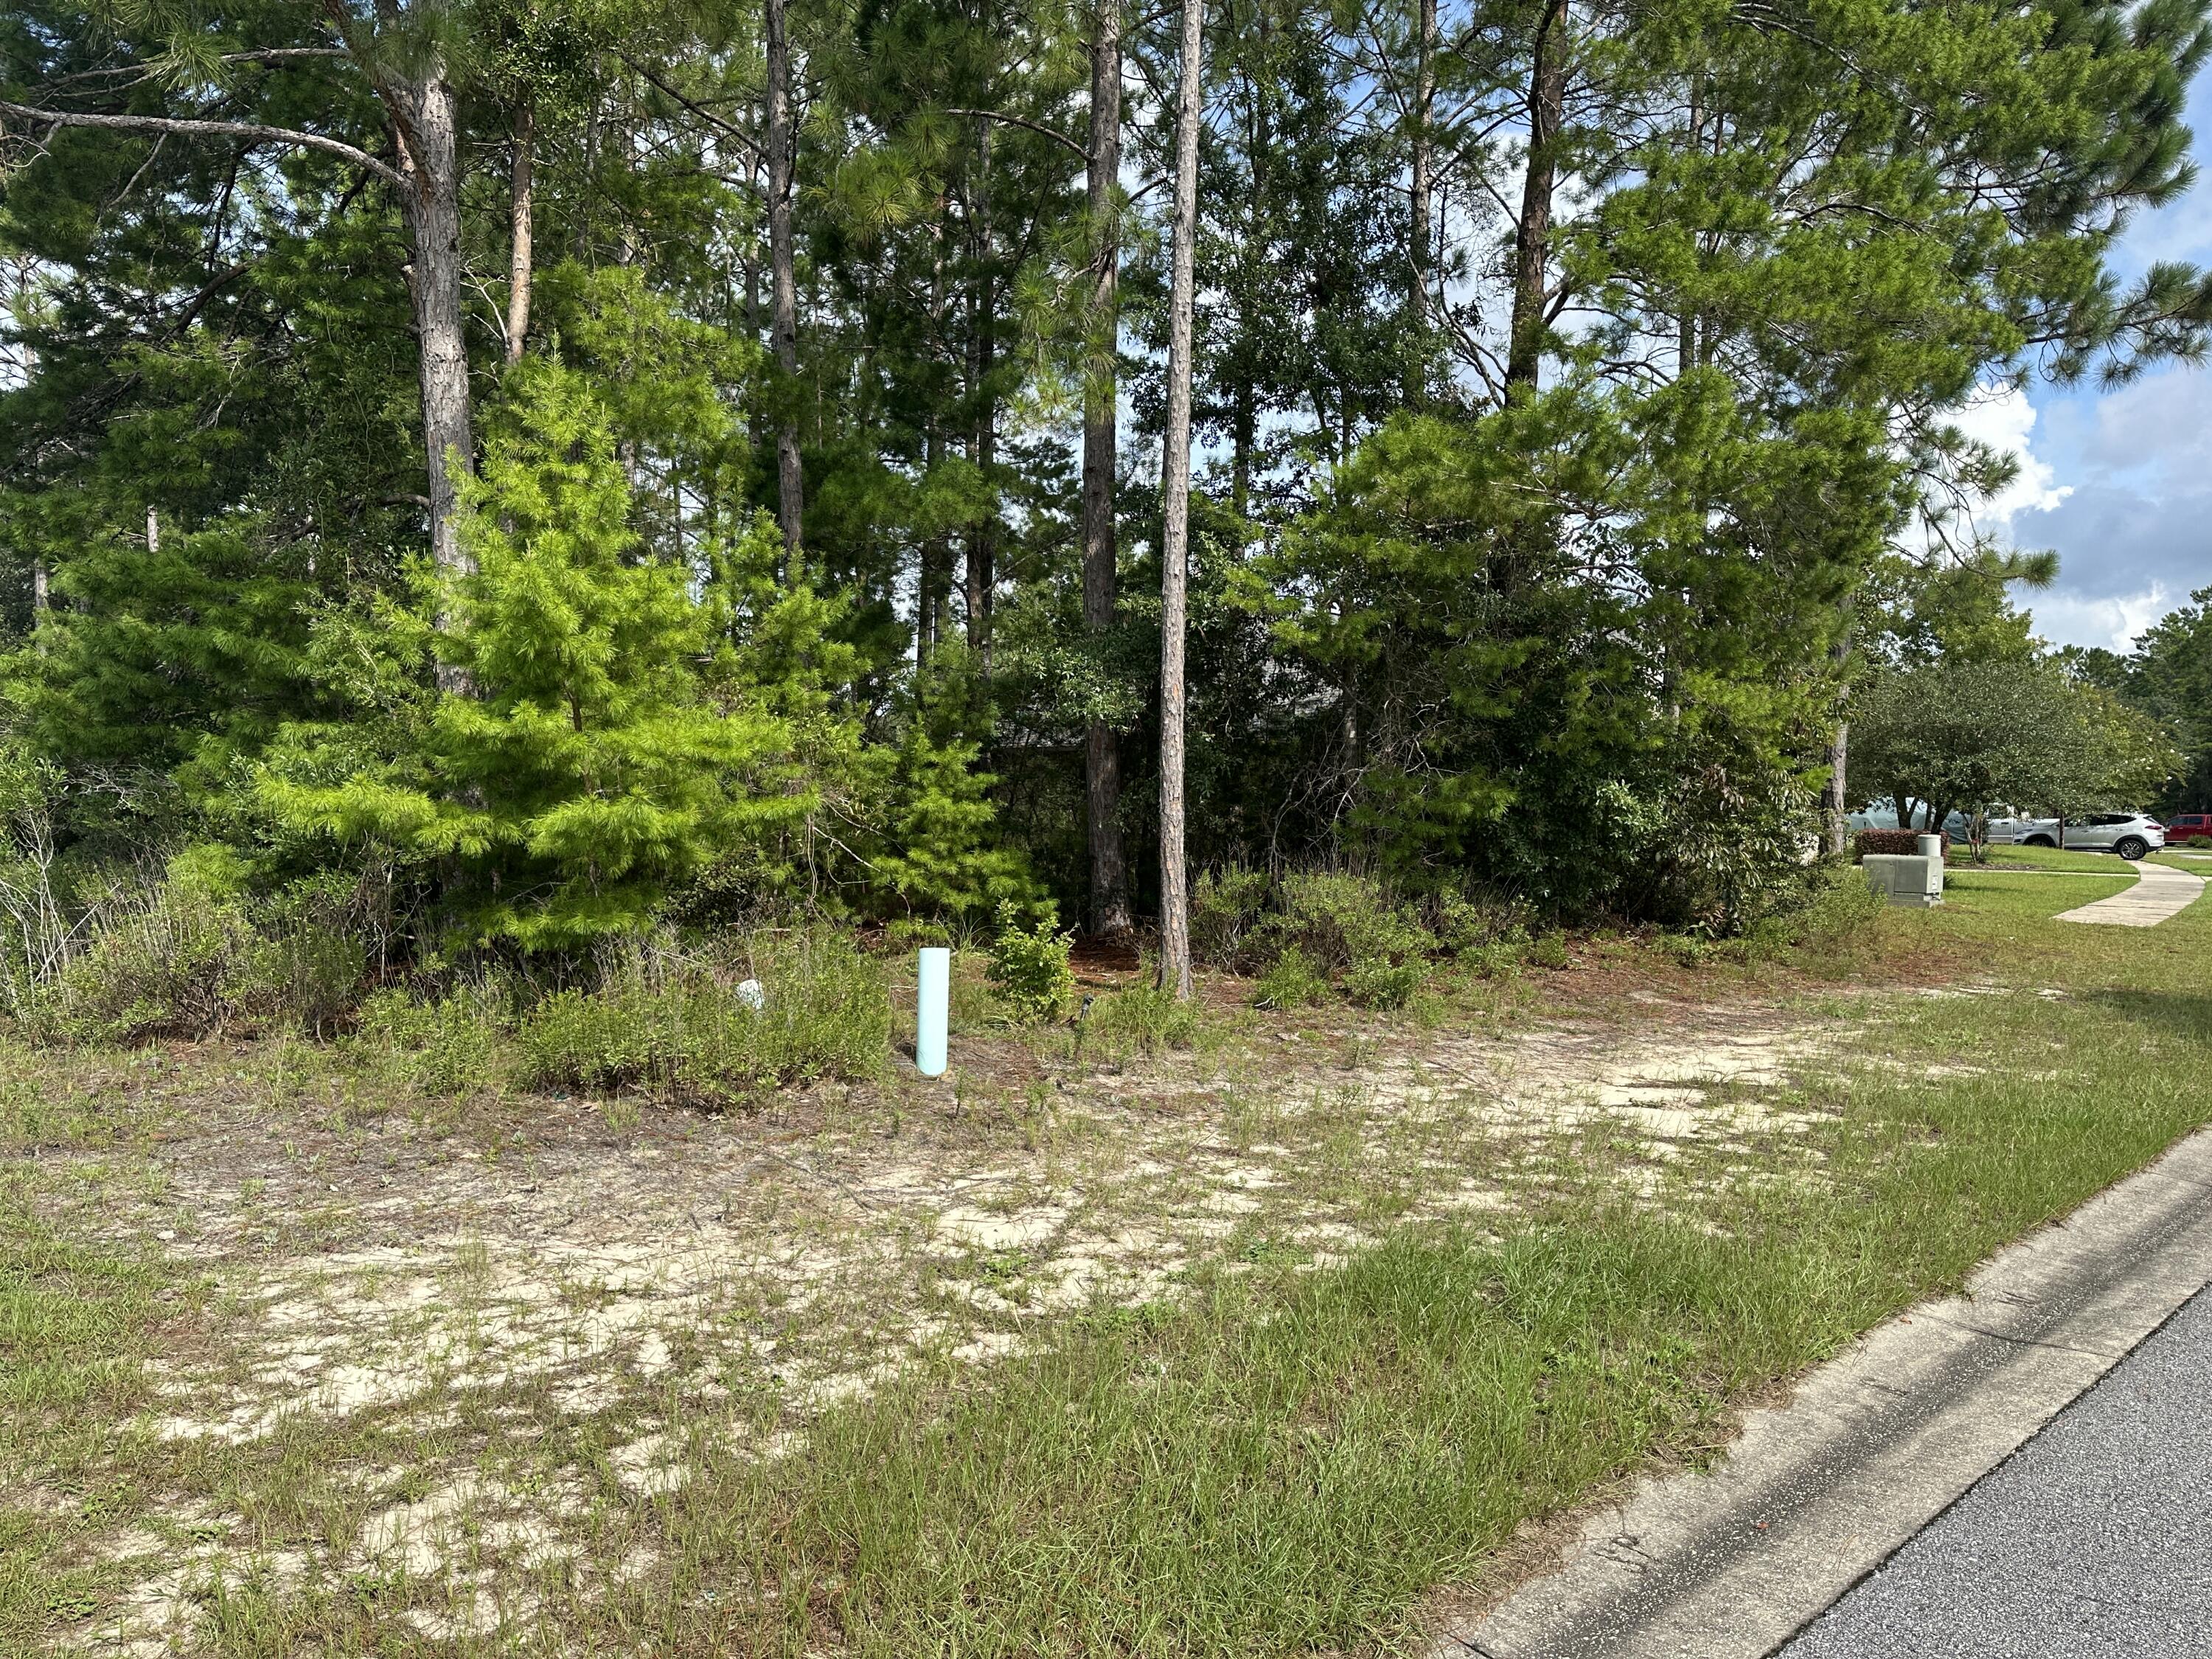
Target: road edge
{"points": [[1817, 1492]]}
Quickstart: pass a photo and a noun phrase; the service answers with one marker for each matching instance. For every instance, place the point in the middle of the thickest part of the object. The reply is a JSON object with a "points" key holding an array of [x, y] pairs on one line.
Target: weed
{"points": [[1141, 1018], [1224, 906], [449, 1047], [1291, 981], [674, 1028], [1546, 950], [1379, 983]]}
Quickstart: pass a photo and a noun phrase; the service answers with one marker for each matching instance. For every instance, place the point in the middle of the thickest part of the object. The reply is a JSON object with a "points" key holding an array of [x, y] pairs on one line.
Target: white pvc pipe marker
{"points": [[932, 1007]]}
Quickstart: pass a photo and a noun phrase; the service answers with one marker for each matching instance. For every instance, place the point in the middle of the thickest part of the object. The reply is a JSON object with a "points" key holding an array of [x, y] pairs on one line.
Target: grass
{"points": [[1272, 1456]]}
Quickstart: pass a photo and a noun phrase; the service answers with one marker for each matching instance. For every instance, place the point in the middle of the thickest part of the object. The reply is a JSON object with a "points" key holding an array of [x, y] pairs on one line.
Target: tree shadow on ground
{"points": [[2185, 1014]]}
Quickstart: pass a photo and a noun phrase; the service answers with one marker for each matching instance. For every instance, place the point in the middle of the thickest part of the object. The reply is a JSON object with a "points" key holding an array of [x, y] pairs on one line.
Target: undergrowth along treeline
{"points": [[694, 497]]}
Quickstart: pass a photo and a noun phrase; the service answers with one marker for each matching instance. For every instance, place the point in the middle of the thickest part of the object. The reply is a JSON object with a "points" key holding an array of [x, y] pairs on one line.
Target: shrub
{"points": [[1462, 927], [1547, 951], [1338, 919], [2196, 841], [1292, 980], [1029, 968], [1906, 841], [1223, 907], [1837, 905], [1378, 982], [172, 959], [672, 1027], [1142, 1018], [450, 1046]]}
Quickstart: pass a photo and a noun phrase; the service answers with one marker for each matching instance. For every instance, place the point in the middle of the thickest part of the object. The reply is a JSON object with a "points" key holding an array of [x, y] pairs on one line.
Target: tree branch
{"points": [[1038, 127], [245, 131], [727, 129]]}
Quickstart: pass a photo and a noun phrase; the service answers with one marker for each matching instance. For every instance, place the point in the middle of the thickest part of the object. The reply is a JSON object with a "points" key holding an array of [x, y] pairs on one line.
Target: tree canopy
{"points": [[604, 464]]}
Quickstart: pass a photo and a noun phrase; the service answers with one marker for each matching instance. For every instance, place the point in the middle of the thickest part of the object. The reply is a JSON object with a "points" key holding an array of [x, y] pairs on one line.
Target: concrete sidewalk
{"points": [[2159, 891]]}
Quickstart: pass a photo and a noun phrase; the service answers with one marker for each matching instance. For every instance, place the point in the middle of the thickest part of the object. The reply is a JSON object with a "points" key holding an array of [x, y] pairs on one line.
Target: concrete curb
{"points": [[1876, 1443]]}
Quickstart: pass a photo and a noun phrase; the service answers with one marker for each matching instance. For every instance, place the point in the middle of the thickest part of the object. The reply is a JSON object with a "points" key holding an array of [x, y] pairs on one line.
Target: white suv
{"points": [[2128, 834]]}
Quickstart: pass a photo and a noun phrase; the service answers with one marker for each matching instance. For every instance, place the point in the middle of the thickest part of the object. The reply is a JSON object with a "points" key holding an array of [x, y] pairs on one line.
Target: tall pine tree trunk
{"points": [[521, 192], [783, 278], [1531, 242], [982, 444], [1420, 192], [1837, 796], [1174, 505], [1101, 760], [981, 575], [426, 116]]}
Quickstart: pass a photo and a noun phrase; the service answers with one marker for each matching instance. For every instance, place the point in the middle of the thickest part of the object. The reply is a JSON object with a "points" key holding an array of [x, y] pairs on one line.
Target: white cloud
{"points": [[2005, 419], [2066, 619]]}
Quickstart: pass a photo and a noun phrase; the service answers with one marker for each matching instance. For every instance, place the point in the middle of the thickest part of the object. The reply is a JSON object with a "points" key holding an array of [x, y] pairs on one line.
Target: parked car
{"points": [[2181, 826], [2128, 834]]}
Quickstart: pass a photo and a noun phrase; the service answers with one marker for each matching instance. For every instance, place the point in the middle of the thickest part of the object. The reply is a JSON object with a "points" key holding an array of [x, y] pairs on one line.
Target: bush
{"points": [[1547, 951], [1462, 927], [1338, 919], [1029, 968], [1378, 982], [172, 959], [1223, 907], [1906, 841], [673, 1027], [1292, 980], [1837, 905], [1142, 1018], [451, 1045]]}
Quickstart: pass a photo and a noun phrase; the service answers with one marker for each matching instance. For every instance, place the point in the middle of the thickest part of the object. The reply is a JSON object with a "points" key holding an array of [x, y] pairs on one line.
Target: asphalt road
{"points": [[2092, 1541]]}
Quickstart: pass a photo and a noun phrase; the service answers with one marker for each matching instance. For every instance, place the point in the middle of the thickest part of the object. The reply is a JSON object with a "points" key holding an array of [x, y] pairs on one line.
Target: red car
{"points": [[2183, 825]]}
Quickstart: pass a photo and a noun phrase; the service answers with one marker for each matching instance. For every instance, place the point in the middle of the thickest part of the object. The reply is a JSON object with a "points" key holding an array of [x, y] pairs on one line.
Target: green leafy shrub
{"points": [[1224, 908], [1293, 979], [1338, 919], [1546, 950], [1378, 982], [1143, 1018], [1462, 927], [1029, 968], [449, 1046], [676, 1029], [1837, 905], [1906, 841], [171, 959]]}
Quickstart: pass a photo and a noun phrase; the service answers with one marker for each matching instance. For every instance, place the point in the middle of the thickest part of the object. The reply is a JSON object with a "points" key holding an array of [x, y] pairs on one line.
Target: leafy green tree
{"points": [[1964, 737], [2169, 677]]}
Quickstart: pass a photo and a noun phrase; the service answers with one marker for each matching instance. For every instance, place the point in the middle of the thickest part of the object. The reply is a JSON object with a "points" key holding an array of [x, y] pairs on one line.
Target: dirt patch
{"points": [[682, 1280]]}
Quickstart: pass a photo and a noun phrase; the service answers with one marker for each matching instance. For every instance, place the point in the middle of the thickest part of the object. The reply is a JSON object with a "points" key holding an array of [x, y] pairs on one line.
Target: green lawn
{"points": [[1269, 1457]]}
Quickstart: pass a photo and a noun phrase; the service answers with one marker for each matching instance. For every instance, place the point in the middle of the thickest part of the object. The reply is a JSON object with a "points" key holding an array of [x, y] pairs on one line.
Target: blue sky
{"points": [[2119, 482]]}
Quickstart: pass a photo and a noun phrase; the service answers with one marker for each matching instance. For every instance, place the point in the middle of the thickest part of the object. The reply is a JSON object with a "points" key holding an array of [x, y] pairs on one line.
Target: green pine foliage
{"points": [[585, 770], [1547, 622]]}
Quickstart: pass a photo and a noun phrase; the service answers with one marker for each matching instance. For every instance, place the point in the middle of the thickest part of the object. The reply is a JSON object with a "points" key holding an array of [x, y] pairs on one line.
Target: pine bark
{"points": [[521, 251], [1102, 768], [981, 572], [1546, 107], [783, 277], [425, 115], [1420, 192], [1175, 505]]}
